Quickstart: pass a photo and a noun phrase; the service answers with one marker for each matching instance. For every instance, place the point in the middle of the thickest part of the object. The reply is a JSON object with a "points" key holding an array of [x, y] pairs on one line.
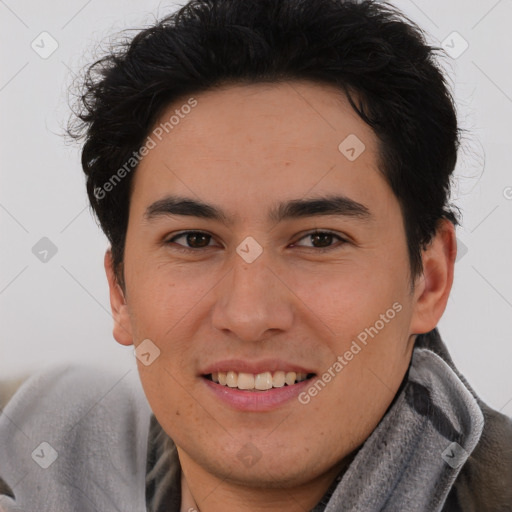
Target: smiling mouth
{"points": [[257, 382]]}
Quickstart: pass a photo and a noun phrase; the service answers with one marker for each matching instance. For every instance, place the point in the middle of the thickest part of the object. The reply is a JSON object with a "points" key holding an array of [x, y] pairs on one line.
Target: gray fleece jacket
{"points": [[81, 439]]}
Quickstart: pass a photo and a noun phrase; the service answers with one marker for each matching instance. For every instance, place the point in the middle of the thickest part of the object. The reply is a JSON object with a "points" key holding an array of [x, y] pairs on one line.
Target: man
{"points": [[273, 178]]}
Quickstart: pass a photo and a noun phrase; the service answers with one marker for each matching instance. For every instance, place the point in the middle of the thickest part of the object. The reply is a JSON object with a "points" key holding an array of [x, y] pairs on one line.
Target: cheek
{"points": [[171, 404], [162, 296], [348, 297], [365, 380], [365, 319]]}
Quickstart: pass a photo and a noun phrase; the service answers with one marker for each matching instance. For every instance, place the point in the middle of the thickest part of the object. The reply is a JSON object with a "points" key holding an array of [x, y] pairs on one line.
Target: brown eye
{"points": [[193, 240], [322, 240]]}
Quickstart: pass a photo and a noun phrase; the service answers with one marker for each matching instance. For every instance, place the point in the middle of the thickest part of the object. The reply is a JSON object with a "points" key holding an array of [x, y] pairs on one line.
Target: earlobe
{"points": [[122, 327], [434, 285]]}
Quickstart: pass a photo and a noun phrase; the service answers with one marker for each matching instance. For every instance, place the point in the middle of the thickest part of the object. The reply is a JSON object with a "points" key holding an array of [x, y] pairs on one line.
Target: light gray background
{"points": [[59, 310]]}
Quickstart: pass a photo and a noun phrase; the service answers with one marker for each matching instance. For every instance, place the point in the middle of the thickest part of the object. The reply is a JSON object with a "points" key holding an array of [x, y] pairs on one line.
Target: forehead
{"points": [[247, 142], [297, 115]]}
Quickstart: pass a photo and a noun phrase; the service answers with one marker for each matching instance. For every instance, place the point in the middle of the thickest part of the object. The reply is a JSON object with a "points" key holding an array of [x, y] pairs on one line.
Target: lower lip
{"points": [[257, 401]]}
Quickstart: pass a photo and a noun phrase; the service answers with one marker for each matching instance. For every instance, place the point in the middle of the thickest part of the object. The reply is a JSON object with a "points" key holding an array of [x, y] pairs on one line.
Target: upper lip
{"points": [[254, 367]]}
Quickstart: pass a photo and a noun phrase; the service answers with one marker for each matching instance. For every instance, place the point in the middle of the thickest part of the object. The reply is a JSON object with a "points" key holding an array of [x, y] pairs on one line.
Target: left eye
{"points": [[324, 238]]}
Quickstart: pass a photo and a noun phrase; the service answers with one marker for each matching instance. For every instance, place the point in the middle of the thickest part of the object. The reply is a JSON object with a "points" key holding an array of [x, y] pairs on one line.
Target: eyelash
{"points": [[317, 249]]}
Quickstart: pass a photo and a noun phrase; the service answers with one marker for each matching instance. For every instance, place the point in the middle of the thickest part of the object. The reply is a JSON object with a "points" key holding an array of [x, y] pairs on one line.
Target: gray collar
{"points": [[411, 460]]}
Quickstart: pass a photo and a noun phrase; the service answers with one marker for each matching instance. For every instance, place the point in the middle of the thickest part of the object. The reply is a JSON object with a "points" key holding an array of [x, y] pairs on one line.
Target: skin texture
{"points": [[245, 148]]}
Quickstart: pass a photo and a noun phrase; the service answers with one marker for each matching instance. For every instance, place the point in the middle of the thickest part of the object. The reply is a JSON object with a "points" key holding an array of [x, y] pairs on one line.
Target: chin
{"points": [[270, 469]]}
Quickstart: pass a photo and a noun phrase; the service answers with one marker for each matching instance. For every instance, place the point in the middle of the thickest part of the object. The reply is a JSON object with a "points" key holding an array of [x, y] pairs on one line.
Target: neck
{"points": [[206, 492]]}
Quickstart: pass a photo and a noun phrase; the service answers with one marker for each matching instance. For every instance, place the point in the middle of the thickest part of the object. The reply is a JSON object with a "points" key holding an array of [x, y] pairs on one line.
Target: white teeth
{"points": [[232, 379], [278, 379], [245, 381], [263, 381], [260, 381], [290, 378]]}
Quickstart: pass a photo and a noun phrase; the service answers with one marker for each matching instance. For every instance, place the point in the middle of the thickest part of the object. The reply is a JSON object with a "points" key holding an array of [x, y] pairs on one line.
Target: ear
{"points": [[122, 327], [433, 287]]}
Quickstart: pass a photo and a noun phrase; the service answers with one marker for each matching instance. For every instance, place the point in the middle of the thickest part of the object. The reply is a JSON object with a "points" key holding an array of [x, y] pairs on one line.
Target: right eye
{"points": [[194, 239]]}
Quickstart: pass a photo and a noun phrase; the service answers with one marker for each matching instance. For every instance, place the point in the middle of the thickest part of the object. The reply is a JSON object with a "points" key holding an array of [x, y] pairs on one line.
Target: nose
{"points": [[253, 301]]}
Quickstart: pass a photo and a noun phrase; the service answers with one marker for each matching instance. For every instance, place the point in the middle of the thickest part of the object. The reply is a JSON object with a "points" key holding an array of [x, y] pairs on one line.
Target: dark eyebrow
{"points": [[338, 205], [330, 205], [177, 205]]}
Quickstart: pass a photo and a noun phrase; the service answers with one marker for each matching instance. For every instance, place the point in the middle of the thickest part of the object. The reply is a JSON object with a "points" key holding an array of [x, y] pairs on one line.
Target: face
{"points": [[298, 269]]}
